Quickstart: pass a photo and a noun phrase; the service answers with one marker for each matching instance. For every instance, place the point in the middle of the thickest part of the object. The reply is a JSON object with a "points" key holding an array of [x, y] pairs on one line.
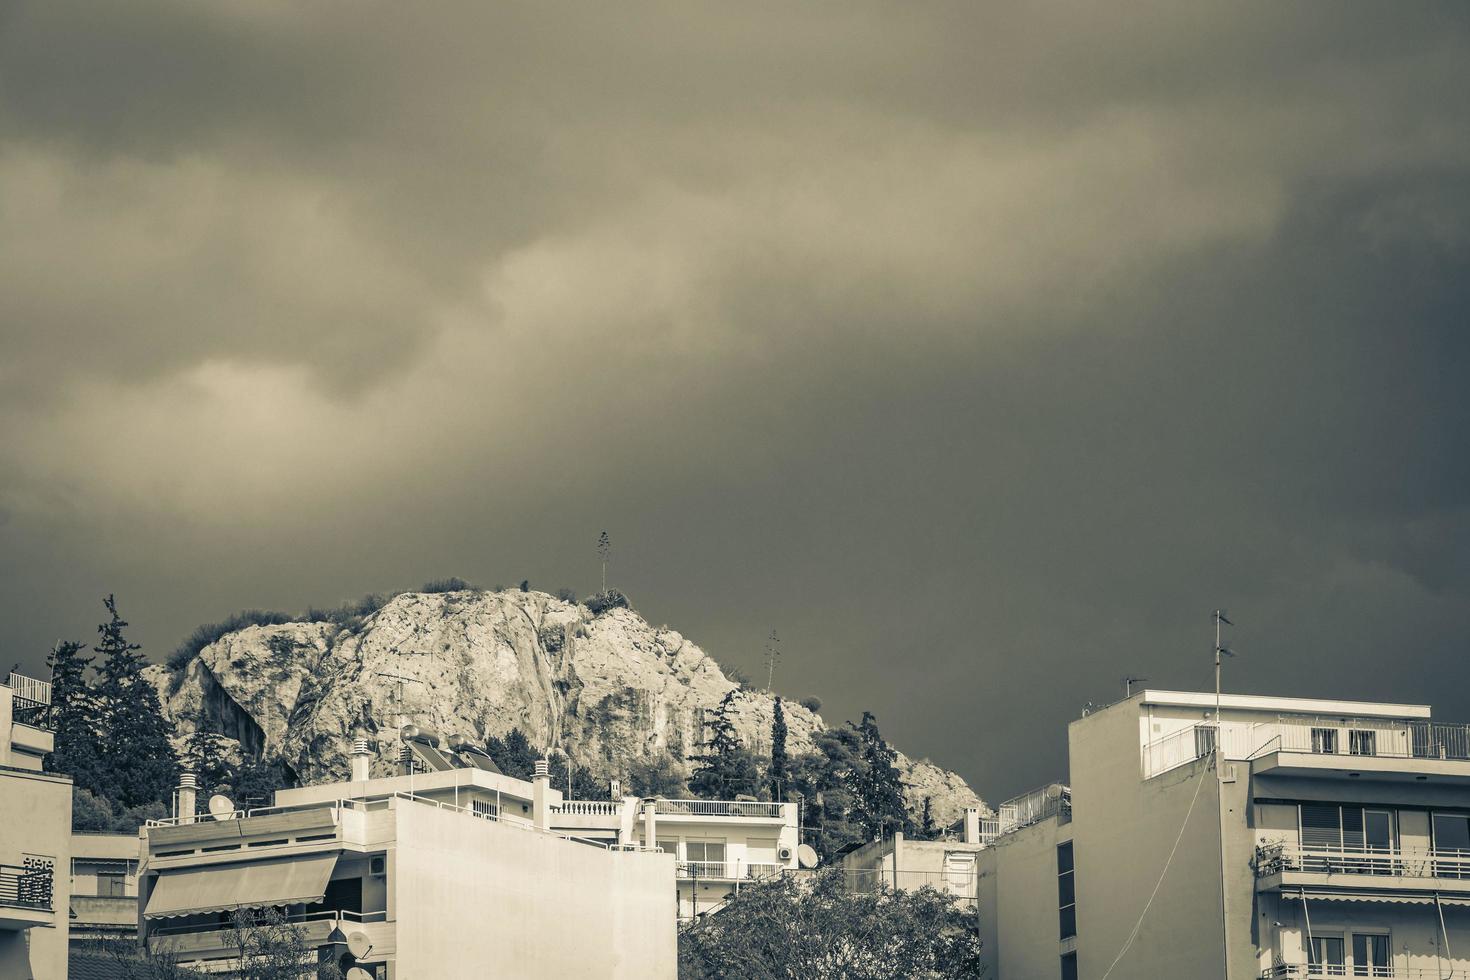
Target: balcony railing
{"points": [[1026, 809], [588, 808], [30, 700], [1392, 862], [720, 808], [1283, 970], [1322, 736], [26, 888], [728, 870]]}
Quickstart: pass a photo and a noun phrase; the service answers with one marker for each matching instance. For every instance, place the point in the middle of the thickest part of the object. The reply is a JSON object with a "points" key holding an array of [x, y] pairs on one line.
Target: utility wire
{"points": [[1139, 924]]}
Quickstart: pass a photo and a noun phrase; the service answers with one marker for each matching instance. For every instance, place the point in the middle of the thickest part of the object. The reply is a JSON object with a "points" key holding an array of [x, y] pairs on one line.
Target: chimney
{"points": [[362, 761], [650, 823], [972, 825], [187, 797], [541, 788], [615, 790]]}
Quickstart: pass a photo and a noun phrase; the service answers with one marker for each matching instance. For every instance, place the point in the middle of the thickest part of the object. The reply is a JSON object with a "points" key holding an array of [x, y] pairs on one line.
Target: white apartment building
{"points": [[451, 868], [718, 845], [1325, 838], [104, 887], [35, 838]]}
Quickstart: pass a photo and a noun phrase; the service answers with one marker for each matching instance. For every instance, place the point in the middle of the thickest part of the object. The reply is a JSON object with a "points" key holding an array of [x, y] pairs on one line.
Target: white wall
{"points": [[472, 897]]}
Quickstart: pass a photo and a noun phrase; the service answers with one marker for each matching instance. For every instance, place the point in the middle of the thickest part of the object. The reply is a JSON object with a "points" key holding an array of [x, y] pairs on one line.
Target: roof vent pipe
{"points": [[186, 799], [362, 760]]}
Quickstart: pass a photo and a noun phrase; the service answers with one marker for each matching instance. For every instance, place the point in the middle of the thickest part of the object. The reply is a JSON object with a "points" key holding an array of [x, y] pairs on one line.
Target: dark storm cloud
{"points": [[980, 351]]}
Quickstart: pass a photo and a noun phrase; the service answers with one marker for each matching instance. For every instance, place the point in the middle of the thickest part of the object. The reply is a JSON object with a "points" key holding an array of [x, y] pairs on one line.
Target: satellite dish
{"points": [[806, 856], [358, 973], [220, 807], [358, 945]]}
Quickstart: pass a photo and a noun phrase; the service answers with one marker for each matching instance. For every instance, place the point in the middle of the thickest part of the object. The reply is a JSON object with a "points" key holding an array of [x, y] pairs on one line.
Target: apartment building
{"points": [[949, 864], [718, 845], [1323, 838], [449, 868], [35, 838], [104, 887]]}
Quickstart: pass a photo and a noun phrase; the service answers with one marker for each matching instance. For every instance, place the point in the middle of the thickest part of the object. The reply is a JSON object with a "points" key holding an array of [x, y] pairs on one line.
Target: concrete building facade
{"points": [[104, 887], [35, 838], [442, 873], [1281, 837]]}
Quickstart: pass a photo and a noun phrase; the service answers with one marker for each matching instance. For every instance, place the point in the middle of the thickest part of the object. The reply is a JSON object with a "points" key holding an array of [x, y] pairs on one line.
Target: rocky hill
{"points": [[608, 688]]}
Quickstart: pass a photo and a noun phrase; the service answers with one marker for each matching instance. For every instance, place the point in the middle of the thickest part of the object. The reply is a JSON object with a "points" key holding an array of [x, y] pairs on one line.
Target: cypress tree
{"points": [[778, 752], [138, 757]]}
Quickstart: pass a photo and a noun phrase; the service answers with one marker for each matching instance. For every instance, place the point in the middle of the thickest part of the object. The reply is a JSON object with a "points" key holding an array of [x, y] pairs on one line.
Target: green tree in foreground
{"points": [[813, 928]]}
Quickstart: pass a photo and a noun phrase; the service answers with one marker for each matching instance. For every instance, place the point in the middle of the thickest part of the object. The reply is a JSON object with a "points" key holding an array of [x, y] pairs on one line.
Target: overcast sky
{"points": [[981, 352]]}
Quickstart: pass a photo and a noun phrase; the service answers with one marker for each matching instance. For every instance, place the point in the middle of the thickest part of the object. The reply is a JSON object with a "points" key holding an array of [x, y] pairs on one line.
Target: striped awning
{"points": [[1389, 898], [258, 884]]}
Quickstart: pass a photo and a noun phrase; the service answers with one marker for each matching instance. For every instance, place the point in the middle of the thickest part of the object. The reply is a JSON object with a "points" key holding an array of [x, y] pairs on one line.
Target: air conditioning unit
{"points": [[784, 853], [377, 865]]}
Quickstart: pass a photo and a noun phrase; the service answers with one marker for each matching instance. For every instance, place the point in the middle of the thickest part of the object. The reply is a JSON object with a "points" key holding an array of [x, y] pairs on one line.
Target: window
{"points": [[669, 846], [1371, 956], [1066, 892], [1452, 840], [1325, 956], [484, 808], [707, 856], [111, 884], [1069, 967], [1362, 742], [1324, 740]]}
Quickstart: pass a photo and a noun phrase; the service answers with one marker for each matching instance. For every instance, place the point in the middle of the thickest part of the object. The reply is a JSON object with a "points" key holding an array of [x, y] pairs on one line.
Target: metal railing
{"points": [[1373, 737], [720, 808], [381, 803], [588, 808], [728, 870], [1026, 809], [1392, 862], [1282, 970], [26, 888], [294, 918], [37, 692]]}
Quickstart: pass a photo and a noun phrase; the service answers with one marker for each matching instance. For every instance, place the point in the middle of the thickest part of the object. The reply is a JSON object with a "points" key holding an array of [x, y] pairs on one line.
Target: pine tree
{"points": [[877, 789], [138, 758], [73, 716], [726, 769], [204, 757], [513, 755], [778, 752], [926, 821]]}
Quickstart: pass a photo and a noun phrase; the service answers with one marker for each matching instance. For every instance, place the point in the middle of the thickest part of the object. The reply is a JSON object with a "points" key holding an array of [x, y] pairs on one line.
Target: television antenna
{"points": [[1128, 683]]}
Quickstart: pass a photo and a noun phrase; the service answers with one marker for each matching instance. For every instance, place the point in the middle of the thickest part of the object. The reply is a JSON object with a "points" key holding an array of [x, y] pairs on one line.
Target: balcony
{"points": [[723, 809], [25, 897], [1365, 872], [30, 701], [727, 870], [1328, 744], [1052, 800], [588, 808], [1284, 970]]}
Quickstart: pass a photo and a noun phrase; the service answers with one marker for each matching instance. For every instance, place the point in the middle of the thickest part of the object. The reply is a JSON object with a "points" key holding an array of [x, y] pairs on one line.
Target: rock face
{"points": [[610, 688]]}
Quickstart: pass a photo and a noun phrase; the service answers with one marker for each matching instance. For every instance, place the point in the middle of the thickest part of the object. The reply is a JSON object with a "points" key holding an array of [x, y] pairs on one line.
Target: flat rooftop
{"points": [[1298, 706]]}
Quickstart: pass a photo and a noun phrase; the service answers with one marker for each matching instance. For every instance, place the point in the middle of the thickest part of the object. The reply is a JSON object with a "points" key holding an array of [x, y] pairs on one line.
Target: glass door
{"points": [[1370, 956], [1325, 957], [1452, 845], [1378, 841]]}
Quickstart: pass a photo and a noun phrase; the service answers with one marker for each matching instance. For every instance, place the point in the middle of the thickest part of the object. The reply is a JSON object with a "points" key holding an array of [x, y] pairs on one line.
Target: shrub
{"points": [[525, 585], [553, 637], [603, 601], [204, 635], [451, 584], [812, 704], [739, 677], [566, 595]]}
